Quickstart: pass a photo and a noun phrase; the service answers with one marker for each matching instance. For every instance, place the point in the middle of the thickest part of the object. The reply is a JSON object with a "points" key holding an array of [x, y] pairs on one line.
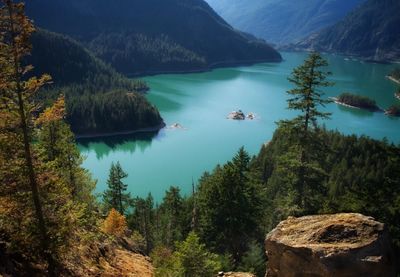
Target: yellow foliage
{"points": [[53, 113], [115, 224]]}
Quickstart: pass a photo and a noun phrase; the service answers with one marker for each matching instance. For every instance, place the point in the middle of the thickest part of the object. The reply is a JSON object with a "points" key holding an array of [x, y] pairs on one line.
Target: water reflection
{"points": [[126, 143]]}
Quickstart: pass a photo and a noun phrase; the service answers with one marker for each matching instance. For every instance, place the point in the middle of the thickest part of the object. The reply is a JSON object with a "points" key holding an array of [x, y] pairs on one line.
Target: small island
{"points": [[236, 115], [239, 115], [393, 110], [397, 94], [395, 76], [356, 101]]}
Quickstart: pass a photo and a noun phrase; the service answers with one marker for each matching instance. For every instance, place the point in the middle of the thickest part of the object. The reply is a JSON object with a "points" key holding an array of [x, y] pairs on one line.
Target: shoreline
{"points": [[131, 132], [393, 79], [357, 57], [208, 68], [334, 99], [289, 48]]}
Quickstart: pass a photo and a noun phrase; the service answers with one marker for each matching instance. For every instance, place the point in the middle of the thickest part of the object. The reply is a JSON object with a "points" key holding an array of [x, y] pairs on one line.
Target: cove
{"points": [[200, 103]]}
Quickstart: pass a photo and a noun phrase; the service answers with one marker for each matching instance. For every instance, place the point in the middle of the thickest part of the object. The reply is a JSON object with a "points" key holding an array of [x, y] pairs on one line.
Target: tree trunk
{"points": [[28, 155]]}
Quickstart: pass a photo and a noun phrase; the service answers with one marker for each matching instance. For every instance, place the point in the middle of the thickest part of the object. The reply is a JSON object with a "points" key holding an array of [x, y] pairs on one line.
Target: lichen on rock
{"points": [[346, 244]]}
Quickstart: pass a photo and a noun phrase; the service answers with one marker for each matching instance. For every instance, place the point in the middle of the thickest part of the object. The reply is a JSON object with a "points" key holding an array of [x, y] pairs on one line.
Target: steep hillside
{"points": [[99, 100], [104, 256], [138, 36], [282, 21], [371, 32], [69, 63]]}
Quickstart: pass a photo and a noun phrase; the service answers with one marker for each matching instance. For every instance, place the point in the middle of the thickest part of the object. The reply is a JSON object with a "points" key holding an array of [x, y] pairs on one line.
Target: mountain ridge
{"points": [[371, 32], [187, 35], [281, 22]]}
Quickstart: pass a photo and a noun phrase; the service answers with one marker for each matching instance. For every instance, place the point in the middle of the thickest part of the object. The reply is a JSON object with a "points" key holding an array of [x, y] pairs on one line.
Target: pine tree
{"points": [[307, 98], [254, 260], [115, 196], [171, 212], [193, 259], [142, 219], [229, 206]]}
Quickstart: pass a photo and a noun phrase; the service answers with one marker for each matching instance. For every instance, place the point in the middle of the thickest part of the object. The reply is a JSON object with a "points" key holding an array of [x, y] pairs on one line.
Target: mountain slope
{"points": [[99, 100], [282, 21], [371, 32], [137, 36], [69, 63]]}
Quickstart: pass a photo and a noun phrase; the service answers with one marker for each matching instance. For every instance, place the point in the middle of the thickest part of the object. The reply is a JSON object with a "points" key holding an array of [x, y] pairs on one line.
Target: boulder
{"points": [[344, 245]]}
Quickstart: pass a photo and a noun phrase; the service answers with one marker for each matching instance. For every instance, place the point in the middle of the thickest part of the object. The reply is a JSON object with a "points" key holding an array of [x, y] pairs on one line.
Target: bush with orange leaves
{"points": [[115, 224]]}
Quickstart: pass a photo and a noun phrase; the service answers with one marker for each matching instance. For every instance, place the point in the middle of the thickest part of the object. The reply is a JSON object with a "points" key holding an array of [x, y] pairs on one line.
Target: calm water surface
{"points": [[200, 103]]}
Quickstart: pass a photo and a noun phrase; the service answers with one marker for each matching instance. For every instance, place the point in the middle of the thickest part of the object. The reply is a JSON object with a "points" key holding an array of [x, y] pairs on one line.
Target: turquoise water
{"points": [[200, 103]]}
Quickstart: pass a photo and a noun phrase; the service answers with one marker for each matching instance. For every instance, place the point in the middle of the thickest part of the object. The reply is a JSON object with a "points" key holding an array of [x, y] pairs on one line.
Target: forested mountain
{"points": [[137, 36], [94, 91], [371, 32], [282, 21], [69, 63]]}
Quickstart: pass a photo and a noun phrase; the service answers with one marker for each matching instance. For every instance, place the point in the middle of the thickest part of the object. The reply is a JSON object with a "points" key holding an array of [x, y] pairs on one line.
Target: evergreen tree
{"points": [[142, 219], [306, 98], [171, 213], [230, 206], [254, 260], [191, 259], [115, 196]]}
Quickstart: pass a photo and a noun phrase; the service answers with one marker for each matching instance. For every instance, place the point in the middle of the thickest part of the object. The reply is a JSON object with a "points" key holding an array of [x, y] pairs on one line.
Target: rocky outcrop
{"points": [[104, 257], [116, 257], [329, 245], [236, 115]]}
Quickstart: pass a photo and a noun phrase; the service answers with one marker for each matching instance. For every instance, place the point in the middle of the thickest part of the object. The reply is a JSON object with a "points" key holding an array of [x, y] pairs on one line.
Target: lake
{"points": [[200, 103]]}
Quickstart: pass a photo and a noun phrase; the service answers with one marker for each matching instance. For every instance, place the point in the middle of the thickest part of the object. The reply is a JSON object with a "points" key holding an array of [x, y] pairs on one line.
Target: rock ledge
{"points": [[329, 245]]}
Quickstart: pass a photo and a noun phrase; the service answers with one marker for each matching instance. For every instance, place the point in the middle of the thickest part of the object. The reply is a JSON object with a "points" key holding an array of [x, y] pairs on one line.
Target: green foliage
{"points": [[145, 53], [163, 262], [171, 216], [254, 260], [361, 175], [194, 260], [230, 201], [114, 111], [115, 196], [307, 96], [298, 167], [98, 99], [358, 101], [73, 68], [191, 258], [142, 219]]}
